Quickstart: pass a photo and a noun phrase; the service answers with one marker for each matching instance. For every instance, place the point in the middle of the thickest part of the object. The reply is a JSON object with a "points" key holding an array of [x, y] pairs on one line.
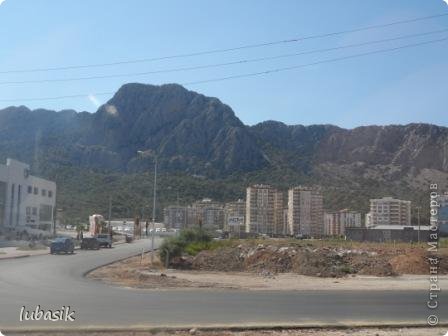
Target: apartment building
{"points": [[235, 215], [336, 222], [175, 217], [305, 211], [264, 209], [389, 211], [205, 213], [209, 214], [26, 202]]}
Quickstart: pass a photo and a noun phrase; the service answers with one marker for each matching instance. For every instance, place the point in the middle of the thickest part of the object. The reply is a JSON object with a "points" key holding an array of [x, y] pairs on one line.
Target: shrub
{"points": [[191, 241]]}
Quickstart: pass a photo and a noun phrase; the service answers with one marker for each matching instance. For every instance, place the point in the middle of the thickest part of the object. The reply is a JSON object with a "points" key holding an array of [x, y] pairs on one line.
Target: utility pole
{"points": [[110, 213], [154, 211], [418, 223]]}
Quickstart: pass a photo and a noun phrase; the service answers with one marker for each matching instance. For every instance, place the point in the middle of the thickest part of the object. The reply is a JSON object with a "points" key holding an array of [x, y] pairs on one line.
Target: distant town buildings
{"points": [[389, 233], [264, 210], [443, 214], [389, 219], [211, 214], [175, 217], [389, 211], [368, 220], [305, 212], [336, 222], [205, 213], [235, 216], [26, 202]]}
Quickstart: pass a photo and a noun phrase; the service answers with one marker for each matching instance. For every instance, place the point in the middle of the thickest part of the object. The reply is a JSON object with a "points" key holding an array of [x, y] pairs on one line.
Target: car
{"points": [[104, 240], [62, 244], [90, 243]]}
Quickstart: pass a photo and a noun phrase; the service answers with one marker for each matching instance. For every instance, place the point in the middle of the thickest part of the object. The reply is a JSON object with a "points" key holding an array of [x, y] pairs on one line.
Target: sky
{"points": [[396, 87]]}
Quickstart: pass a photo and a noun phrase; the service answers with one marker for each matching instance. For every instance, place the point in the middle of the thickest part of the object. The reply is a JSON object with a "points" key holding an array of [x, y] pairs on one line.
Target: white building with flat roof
{"points": [[305, 211], [26, 202], [336, 222], [389, 211]]}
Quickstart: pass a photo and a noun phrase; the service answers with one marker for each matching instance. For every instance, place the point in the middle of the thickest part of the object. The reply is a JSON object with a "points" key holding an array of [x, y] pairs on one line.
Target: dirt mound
{"points": [[321, 261], [222, 259], [377, 266], [412, 263], [269, 259]]}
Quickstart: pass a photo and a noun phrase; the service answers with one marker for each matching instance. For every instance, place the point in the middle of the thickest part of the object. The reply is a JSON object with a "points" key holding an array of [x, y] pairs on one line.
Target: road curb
{"points": [[230, 328], [113, 262], [18, 257]]}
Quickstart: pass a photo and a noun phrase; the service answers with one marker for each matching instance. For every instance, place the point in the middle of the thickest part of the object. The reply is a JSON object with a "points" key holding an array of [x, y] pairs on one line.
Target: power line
{"points": [[223, 50], [315, 63], [199, 67], [250, 74]]}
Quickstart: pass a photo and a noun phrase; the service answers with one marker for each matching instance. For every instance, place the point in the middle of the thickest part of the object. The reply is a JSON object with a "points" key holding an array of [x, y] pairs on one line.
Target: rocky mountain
{"points": [[187, 131], [196, 135]]}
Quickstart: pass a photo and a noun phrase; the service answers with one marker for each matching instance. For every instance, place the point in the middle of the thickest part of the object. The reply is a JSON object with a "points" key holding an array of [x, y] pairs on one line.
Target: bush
{"points": [[194, 248], [194, 236], [191, 241], [172, 246]]}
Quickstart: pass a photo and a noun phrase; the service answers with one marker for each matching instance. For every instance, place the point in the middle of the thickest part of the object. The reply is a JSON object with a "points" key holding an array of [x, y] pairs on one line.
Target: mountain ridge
{"points": [[195, 135]]}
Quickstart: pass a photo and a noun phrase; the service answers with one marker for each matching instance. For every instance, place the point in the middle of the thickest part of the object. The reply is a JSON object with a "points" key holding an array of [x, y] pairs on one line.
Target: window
{"points": [[28, 211], [50, 193], [36, 191], [45, 213], [34, 211], [44, 192], [30, 189]]}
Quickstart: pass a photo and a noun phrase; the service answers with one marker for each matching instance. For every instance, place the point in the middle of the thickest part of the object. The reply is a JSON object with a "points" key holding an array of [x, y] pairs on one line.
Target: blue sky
{"points": [[400, 87]]}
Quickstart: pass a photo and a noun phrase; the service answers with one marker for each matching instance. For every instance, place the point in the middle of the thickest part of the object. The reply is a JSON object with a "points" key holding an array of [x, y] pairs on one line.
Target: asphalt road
{"points": [[56, 281]]}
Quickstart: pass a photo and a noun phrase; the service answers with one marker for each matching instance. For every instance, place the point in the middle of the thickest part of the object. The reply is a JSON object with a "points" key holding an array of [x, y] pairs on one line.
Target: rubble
{"points": [[323, 261]]}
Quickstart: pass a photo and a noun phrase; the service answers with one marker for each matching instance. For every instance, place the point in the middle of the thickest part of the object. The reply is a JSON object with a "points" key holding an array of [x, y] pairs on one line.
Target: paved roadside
{"points": [[280, 332], [13, 252]]}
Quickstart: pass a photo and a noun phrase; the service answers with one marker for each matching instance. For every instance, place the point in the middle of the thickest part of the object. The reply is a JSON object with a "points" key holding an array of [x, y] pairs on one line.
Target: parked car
{"points": [[90, 243], [62, 244], [104, 240]]}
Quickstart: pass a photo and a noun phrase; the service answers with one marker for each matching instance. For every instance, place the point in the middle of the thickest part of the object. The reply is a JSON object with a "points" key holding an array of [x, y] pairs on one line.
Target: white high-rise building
{"points": [[264, 210], [389, 211], [305, 211]]}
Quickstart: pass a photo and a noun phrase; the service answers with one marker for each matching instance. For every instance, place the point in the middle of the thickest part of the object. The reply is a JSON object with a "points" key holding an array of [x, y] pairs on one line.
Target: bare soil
{"points": [[138, 273], [284, 265], [332, 259]]}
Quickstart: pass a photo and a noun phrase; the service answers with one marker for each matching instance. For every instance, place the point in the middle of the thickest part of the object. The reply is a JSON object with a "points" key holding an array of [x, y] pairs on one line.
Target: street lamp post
{"points": [[153, 206], [154, 211], [418, 223], [109, 229]]}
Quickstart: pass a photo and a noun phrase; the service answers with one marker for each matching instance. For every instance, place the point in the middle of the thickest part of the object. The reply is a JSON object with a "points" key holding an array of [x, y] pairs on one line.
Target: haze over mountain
{"points": [[196, 135]]}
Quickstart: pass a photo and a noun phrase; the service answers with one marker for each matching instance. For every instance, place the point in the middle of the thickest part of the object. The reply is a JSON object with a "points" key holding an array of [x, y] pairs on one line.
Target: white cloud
{"points": [[445, 1], [2, 1], [94, 100]]}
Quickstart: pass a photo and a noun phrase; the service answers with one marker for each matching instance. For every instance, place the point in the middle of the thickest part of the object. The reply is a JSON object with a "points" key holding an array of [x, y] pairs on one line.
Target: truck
{"points": [[97, 236]]}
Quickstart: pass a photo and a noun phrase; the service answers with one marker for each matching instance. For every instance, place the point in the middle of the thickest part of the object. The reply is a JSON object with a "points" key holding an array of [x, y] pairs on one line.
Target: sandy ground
{"points": [[138, 273], [288, 281], [304, 332]]}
